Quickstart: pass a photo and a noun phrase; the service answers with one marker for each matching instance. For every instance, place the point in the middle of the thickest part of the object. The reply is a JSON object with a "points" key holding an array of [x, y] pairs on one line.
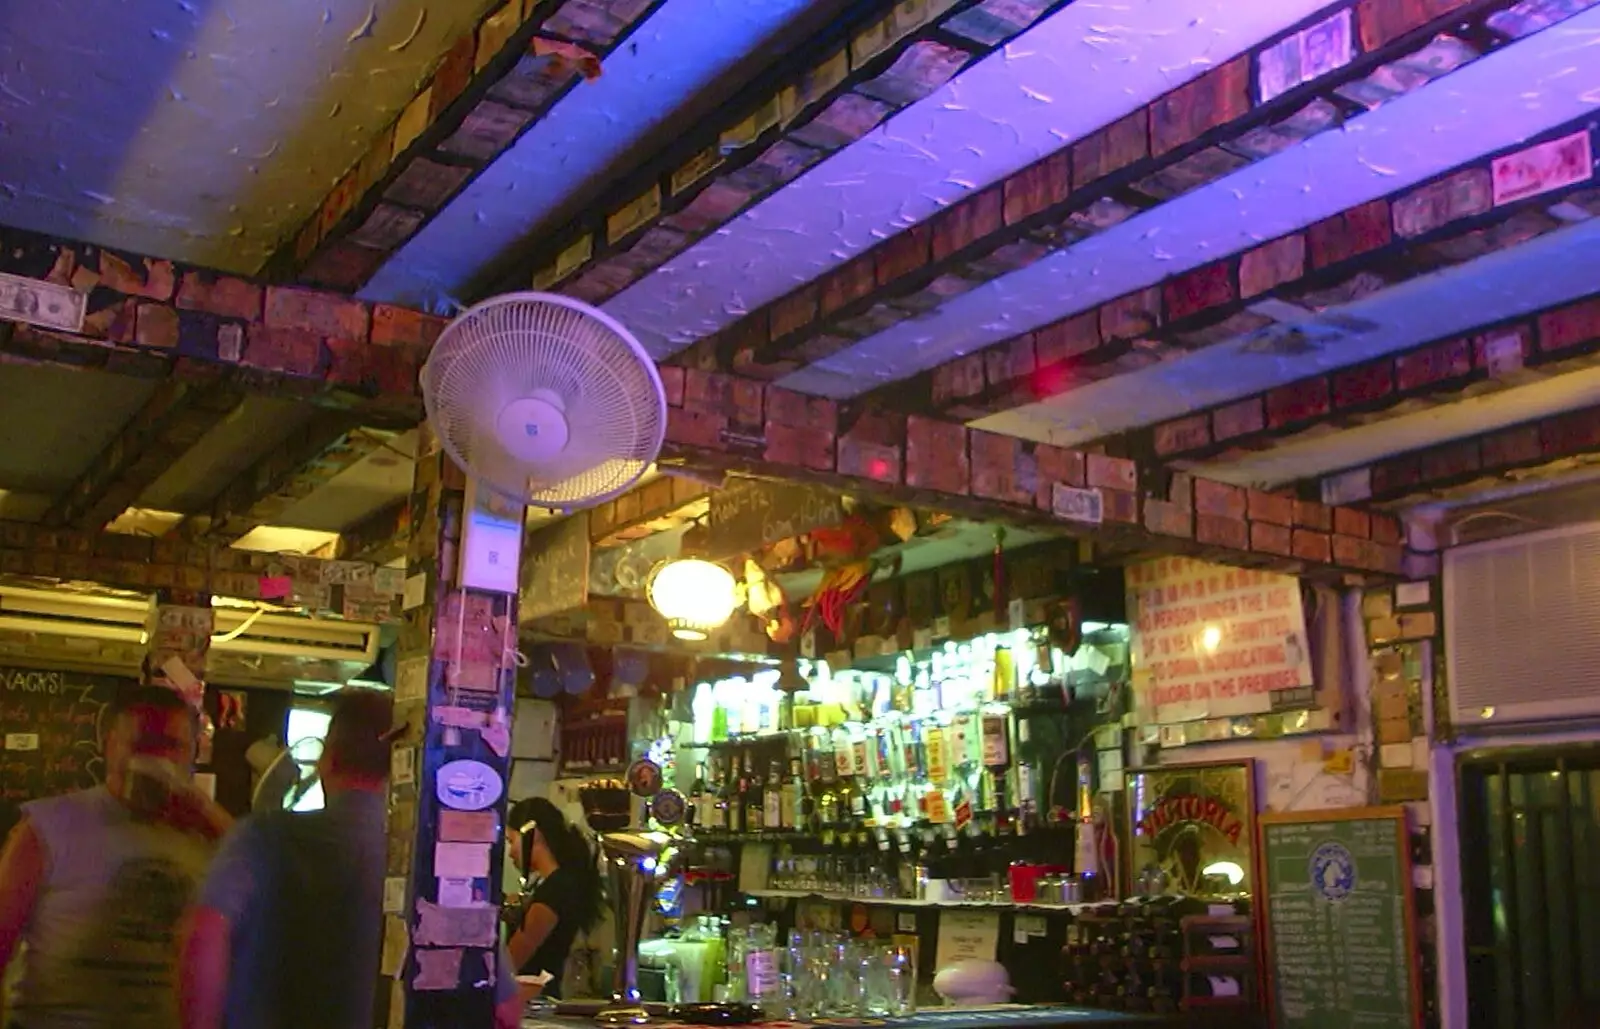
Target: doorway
{"points": [[1530, 827]]}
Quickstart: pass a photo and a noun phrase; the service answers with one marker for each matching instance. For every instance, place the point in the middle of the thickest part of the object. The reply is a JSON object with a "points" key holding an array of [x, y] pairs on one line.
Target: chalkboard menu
{"points": [[555, 569], [748, 516], [1338, 920], [50, 722]]}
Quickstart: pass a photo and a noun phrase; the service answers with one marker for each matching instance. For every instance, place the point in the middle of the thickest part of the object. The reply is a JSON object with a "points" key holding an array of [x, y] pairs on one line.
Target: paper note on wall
{"points": [[455, 893], [467, 826], [472, 926], [461, 860], [967, 936], [395, 942], [438, 969]]}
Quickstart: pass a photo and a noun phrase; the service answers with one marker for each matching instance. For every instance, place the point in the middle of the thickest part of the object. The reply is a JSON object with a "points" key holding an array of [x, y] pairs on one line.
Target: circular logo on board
{"points": [[1333, 871], [668, 807], [467, 785], [644, 778]]}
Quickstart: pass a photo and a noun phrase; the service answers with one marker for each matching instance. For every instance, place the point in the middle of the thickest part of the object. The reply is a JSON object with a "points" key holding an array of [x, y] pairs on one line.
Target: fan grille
{"points": [[568, 355]]}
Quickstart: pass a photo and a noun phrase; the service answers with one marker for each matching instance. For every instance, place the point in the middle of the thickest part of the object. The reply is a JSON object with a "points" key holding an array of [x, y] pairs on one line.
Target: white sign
{"points": [[1077, 505], [22, 741], [1210, 640], [966, 936]]}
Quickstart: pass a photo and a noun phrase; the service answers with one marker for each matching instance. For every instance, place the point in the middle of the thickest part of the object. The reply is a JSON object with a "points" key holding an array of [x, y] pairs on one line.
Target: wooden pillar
{"points": [[454, 689]]}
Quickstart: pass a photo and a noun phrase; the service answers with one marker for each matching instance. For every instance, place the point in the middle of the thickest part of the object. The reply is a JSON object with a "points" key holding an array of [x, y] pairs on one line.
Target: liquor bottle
{"points": [[754, 808], [996, 742], [794, 804], [738, 786], [772, 799], [699, 811]]}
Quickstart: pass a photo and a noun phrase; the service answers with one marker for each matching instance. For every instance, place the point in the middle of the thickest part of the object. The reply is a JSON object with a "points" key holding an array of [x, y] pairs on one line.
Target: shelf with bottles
{"points": [[1219, 963], [918, 902], [935, 748], [1021, 668], [1129, 955]]}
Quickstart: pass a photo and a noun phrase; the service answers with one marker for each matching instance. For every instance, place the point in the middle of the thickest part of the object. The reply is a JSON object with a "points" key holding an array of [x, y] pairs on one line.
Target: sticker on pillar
{"points": [[403, 766], [396, 941], [468, 785], [394, 894], [476, 925], [644, 778], [411, 680], [461, 860], [467, 826], [497, 734], [438, 969], [456, 893]]}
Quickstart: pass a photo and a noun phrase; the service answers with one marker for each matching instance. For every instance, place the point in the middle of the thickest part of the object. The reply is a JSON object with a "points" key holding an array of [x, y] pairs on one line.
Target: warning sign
{"points": [[1211, 641]]}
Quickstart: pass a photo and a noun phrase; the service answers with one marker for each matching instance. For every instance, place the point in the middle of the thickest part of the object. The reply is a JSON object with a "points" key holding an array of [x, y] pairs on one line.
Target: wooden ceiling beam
{"points": [[500, 78], [1493, 358], [1458, 466], [1200, 132], [151, 318], [309, 459], [176, 417], [380, 537], [37, 555], [735, 424]]}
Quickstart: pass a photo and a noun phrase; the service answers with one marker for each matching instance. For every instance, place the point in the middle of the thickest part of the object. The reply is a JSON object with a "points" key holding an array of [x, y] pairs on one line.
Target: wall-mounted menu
{"points": [[555, 569], [1338, 920], [50, 744], [749, 515]]}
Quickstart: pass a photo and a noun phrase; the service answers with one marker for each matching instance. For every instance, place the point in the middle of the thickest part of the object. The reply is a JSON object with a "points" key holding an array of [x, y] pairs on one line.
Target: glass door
{"points": [[1530, 826]]}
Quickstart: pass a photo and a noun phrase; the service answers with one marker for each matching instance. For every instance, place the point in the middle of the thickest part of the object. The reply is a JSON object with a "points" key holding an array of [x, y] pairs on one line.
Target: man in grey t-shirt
{"points": [[288, 928], [288, 931]]}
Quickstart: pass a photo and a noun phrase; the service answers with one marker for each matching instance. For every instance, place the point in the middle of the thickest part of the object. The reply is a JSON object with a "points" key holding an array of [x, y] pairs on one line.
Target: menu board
{"points": [[555, 569], [1338, 920], [748, 516], [50, 726]]}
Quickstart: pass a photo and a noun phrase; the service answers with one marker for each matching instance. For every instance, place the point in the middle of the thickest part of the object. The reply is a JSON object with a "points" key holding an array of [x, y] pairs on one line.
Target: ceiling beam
{"points": [[725, 161], [153, 318], [31, 554], [498, 79], [175, 418], [1363, 251], [1493, 359], [1198, 133], [309, 459], [381, 536], [733, 424], [1436, 472]]}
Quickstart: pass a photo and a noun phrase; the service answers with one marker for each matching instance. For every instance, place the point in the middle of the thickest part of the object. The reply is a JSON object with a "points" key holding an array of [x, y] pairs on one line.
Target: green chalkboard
{"points": [[1338, 920]]}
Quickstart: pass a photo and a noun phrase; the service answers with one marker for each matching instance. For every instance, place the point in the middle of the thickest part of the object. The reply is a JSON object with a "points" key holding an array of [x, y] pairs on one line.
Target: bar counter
{"points": [[1038, 1016]]}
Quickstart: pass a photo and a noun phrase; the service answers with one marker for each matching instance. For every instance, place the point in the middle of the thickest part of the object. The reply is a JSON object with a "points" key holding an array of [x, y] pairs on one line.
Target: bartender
{"points": [[562, 893]]}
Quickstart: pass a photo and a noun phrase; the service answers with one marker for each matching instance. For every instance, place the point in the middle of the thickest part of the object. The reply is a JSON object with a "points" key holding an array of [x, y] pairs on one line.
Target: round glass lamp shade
{"points": [[694, 596]]}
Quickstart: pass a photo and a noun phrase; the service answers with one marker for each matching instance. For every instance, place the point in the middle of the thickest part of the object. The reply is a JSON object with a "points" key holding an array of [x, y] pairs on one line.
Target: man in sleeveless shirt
{"points": [[96, 882]]}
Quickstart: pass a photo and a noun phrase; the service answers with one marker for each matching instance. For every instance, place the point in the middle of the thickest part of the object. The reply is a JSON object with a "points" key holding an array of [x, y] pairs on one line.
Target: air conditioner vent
{"points": [[1522, 628]]}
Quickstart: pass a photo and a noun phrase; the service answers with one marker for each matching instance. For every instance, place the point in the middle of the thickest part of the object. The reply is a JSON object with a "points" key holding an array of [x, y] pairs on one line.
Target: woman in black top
{"points": [[569, 897]]}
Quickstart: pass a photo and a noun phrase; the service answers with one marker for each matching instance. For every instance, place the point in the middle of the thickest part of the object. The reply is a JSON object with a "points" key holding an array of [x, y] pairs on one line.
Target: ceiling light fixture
{"points": [[694, 596]]}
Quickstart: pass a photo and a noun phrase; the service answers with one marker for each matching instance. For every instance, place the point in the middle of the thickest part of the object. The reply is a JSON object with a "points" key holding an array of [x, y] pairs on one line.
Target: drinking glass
{"points": [[900, 981]]}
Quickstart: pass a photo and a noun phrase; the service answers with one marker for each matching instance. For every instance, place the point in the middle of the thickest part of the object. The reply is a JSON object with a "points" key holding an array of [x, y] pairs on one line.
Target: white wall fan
{"points": [[545, 401]]}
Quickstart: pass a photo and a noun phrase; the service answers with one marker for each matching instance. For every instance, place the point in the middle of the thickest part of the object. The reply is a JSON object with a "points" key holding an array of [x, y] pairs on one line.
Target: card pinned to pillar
{"points": [[474, 925]]}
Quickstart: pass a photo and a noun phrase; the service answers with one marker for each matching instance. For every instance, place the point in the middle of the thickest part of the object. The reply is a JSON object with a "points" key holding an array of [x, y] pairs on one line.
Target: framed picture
{"points": [[1192, 829]]}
